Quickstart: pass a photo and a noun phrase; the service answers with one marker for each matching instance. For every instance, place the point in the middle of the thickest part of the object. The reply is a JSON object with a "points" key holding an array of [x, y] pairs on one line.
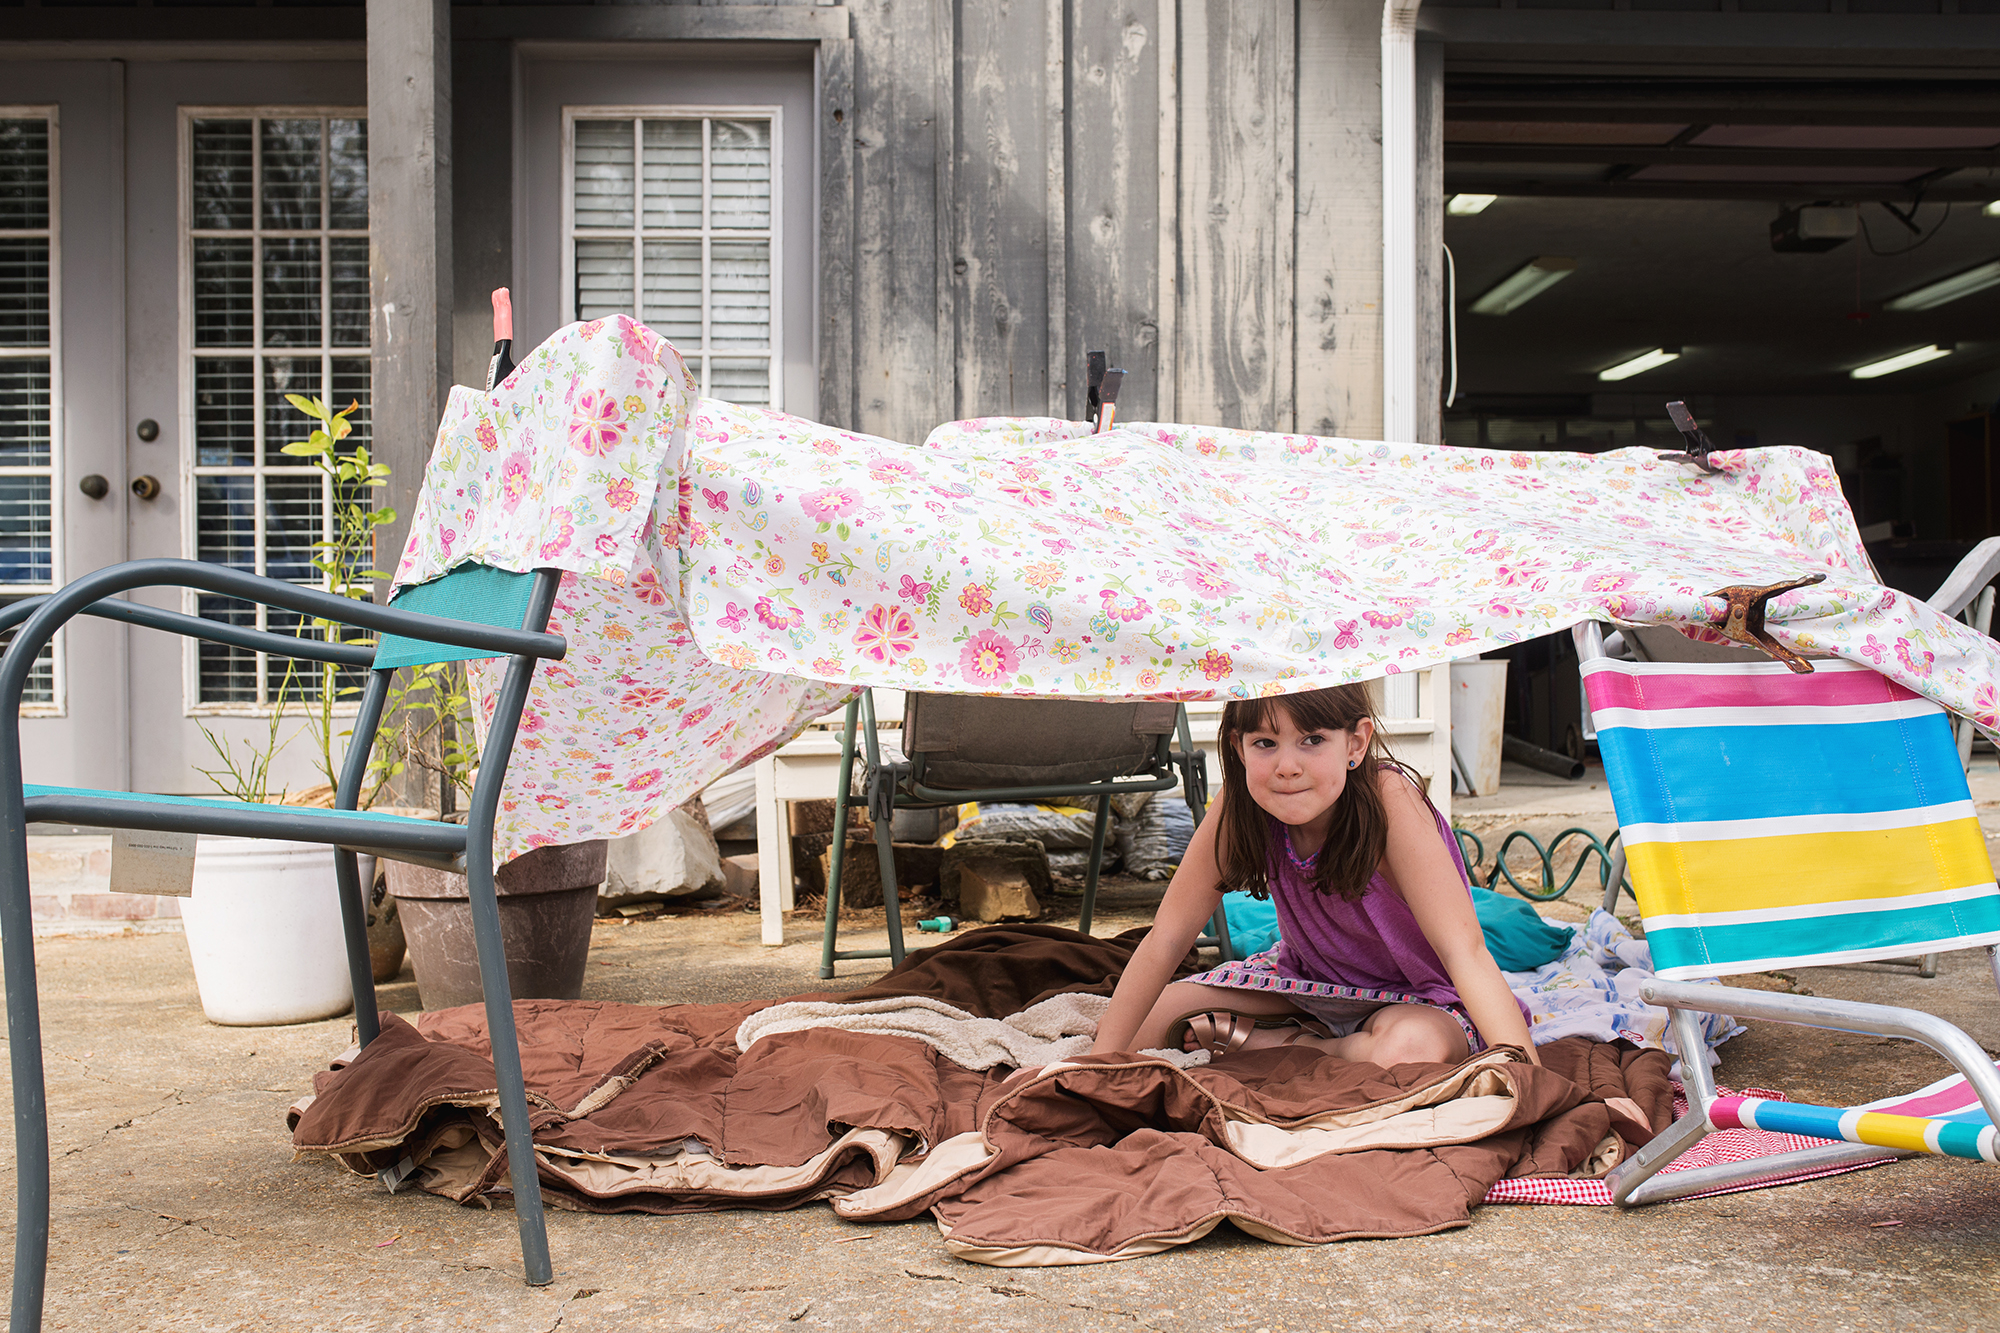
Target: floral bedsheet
{"points": [[734, 573]]}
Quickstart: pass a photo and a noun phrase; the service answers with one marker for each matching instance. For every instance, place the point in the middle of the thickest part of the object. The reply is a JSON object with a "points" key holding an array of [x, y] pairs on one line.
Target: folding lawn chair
{"points": [[1777, 820], [474, 611], [979, 748], [1966, 592]]}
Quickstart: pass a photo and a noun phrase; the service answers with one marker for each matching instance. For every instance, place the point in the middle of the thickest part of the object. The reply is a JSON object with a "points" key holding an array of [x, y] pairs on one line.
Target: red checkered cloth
{"points": [[1728, 1145]]}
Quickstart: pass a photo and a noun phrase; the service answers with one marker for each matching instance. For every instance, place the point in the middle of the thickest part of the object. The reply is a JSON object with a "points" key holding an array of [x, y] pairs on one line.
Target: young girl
{"points": [[1381, 957]]}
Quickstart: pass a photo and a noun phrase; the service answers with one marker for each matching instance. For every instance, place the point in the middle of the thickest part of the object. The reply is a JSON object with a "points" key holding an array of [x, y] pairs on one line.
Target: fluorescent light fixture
{"points": [[1640, 364], [1465, 205], [1948, 289], [1900, 361], [1524, 285]]}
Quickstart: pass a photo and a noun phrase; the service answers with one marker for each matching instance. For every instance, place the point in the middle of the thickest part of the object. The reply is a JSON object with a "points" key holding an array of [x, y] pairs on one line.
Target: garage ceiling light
{"points": [[1640, 364], [1949, 289], [1465, 205], [1900, 361], [1524, 285]]}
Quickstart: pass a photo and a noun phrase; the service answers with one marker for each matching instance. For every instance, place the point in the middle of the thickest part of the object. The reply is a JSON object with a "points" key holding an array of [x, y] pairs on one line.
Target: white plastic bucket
{"points": [[264, 932], [1478, 717]]}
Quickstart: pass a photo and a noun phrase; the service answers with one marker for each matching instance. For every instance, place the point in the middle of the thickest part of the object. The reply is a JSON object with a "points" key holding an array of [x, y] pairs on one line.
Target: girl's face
{"points": [[1296, 776]]}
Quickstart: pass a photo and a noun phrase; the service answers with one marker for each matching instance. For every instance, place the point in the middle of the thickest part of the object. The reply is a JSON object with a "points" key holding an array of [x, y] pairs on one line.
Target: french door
{"points": [[202, 253]]}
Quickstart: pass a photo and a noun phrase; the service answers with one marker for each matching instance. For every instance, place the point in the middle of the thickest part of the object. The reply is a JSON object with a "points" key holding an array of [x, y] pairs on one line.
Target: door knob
{"points": [[94, 486], [147, 430], [145, 487]]}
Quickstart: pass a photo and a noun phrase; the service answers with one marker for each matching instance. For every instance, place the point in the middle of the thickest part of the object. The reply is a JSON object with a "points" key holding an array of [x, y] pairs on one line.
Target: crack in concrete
{"points": [[197, 1223], [562, 1311], [174, 1099], [1013, 1292]]}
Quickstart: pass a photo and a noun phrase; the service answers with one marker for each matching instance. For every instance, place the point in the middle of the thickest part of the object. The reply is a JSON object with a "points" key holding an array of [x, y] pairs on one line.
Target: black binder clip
{"points": [[1699, 445]]}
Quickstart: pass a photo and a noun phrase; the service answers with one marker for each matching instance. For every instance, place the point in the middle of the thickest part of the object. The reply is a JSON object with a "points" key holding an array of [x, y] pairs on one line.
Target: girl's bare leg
{"points": [[1395, 1034], [1402, 1034]]}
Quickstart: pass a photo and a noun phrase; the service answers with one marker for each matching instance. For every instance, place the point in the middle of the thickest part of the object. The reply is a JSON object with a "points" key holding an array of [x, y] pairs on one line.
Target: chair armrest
{"points": [[1964, 582], [211, 631]]}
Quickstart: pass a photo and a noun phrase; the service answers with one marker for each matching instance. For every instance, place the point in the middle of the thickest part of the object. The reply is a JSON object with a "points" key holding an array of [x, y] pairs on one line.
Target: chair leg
{"points": [[24, 1054], [354, 929], [1617, 878], [837, 854], [523, 1173], [1097, 833], [1218, 925], [892, 903]]}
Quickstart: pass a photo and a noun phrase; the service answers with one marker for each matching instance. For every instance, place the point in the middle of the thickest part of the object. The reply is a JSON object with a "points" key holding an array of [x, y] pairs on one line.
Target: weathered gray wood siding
{"points": [[1192, 185]]}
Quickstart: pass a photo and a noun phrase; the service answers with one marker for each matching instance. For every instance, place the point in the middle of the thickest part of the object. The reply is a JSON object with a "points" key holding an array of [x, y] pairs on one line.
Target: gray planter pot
{"points": [[548, 900]]}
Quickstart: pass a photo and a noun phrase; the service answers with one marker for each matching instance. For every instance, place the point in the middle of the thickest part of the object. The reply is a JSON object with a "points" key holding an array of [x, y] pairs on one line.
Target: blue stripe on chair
{"points": [[1697, 774], [1681, 952]]}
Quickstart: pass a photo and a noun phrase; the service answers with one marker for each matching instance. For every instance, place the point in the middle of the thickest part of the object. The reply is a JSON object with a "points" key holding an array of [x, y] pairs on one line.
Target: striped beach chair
{"points": [[1772, 820]]}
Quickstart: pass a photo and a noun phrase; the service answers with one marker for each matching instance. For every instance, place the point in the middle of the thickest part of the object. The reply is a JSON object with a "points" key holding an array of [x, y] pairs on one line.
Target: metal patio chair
{"points": [[962, 747], [1777, 820], [474, 611]]}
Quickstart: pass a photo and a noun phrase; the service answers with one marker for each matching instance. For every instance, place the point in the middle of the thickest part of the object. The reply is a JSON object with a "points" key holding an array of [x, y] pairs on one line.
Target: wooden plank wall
{"points": [[1192, 185]]}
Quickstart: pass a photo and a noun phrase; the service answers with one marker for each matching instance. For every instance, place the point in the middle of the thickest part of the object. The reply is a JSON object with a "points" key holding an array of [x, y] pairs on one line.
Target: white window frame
{"points": [[58, 705], [639, 234], [186, 351]]}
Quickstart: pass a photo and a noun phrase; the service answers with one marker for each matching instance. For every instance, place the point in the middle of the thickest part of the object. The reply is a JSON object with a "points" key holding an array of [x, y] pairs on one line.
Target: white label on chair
{"points": [[157, 863]]}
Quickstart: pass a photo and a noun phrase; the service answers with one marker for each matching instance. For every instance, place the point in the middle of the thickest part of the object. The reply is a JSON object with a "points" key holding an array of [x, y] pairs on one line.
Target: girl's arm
{"points": [[1422, 868], [1190, 901]]}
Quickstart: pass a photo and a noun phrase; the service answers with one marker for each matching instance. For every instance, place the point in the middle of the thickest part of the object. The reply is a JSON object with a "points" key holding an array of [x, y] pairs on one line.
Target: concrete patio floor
{"points": [[179, 1206]]}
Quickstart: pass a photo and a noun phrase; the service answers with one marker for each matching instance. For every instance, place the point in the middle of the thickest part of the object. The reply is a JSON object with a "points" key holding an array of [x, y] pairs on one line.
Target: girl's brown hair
{"points": [[1246, 846]]}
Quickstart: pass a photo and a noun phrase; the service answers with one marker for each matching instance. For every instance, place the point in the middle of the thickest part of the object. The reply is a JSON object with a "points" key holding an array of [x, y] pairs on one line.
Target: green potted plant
{"points": [[548, 897], [262, 909]]}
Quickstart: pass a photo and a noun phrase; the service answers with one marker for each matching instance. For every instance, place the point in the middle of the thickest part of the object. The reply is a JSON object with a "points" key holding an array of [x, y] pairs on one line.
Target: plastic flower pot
{"points": [[264, 933], [548, 901]]}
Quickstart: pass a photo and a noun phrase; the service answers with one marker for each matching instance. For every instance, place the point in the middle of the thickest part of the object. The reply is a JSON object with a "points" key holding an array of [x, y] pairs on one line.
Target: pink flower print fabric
{"points": [[735, 572]]}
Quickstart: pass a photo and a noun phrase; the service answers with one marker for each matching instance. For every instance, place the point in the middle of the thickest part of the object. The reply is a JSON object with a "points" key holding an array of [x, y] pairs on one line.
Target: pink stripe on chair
{"points": [[1727, 1113], [1823, 689]]}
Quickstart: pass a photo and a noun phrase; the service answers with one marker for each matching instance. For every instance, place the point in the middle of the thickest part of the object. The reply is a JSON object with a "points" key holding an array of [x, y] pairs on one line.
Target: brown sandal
{"points": [[1229, 1031]]}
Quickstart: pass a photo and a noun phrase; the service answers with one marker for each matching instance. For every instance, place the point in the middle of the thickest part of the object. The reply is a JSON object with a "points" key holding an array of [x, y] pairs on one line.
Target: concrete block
{"points": [[739, 875], [997, 881], [917, 869]]}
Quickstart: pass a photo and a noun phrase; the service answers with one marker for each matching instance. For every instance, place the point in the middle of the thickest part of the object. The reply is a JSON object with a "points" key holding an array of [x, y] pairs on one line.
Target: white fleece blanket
{"points": [[1059, 1028]]}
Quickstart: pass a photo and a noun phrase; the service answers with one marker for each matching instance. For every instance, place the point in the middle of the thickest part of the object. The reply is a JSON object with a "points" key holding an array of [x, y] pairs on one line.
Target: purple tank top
{"points": [[1373, 942]]}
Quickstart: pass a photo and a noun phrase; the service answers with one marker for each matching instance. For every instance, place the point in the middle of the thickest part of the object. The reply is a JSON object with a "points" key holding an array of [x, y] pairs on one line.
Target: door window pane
{"points": [[278, 255], [741, 173], [24, 174], [24, 291], [24, 411], [30, 374], [700, 265]]}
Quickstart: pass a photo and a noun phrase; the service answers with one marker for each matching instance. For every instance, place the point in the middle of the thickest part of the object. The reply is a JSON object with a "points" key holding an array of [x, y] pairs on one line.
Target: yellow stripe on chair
{"points": [[1805, 870]]}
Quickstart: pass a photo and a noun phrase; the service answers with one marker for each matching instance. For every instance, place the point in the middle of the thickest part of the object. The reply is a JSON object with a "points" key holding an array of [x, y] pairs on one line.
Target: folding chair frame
{"points": [[901, 786], [467, 848]]}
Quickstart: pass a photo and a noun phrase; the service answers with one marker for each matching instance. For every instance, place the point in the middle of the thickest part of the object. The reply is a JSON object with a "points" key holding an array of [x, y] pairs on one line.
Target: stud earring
{"points": [[1352, 762]]}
